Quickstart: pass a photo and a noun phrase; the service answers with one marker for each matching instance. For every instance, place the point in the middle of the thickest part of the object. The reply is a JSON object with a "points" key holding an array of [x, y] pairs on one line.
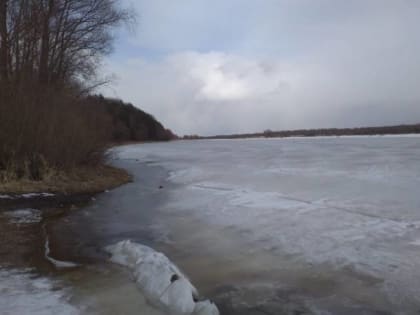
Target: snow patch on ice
{"points": [[27, 196], [185, 175], [213, 186], [321, 230], [162, 283], [24, 294], [34, 195], [24, 216], [6, 197], [252, 199], [59, 264]]}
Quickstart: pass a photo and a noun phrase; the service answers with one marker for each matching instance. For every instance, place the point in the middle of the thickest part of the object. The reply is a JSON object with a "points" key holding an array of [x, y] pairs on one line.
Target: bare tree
{"points": [[56, 42], [4, 47], [47, 15]]}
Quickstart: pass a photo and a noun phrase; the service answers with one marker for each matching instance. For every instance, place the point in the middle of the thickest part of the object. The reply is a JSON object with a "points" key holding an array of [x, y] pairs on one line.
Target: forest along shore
{"points": [[70, 168], [54, 131]]}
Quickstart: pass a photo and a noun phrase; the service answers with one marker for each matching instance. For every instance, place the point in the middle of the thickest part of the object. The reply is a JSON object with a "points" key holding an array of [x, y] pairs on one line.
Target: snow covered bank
{"points": [[160, 280]]}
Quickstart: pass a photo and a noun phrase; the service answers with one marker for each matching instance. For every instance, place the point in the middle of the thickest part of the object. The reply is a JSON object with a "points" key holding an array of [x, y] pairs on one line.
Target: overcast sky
{"points": [[227, 66]]}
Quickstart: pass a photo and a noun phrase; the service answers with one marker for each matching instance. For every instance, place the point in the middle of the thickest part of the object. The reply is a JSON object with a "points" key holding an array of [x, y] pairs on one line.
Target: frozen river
{"points": [[262, 226]]}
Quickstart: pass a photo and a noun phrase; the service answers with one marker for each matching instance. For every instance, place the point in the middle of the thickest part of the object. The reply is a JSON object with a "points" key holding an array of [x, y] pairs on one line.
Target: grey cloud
{"points": [[347, 63]]}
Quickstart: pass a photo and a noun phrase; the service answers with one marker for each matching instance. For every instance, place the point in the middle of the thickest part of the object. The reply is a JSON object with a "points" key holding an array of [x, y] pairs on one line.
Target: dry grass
{"points": [[89, 179]]}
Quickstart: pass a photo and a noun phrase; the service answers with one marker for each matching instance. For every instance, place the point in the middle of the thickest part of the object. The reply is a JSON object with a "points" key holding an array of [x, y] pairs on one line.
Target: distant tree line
{"points": [[49, 55], [383, 130]]}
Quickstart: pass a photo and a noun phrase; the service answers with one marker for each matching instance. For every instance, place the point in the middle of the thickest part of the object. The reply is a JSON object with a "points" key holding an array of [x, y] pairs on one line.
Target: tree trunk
{"points": [[45, 44], [3, 41]]}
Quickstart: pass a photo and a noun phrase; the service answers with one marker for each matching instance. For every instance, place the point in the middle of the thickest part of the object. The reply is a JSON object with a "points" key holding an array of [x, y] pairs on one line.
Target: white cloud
{"points": [[224, 77], [205, 92]]}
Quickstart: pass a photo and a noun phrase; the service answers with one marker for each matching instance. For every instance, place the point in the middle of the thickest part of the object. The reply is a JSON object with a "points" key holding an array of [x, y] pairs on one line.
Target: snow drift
{"points": [[162, 283]]}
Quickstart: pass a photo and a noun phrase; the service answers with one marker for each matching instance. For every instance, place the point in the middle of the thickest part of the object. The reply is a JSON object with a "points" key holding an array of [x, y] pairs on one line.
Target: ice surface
{"points": [[23, 293], [350, 202], [159, 279], [415, 242]]}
